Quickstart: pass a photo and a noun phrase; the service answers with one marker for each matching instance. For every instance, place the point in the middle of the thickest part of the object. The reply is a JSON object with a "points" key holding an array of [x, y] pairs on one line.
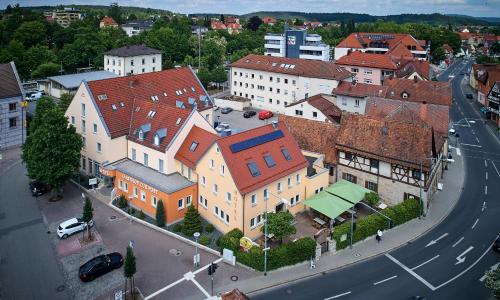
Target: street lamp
{"points": [[196, 255]]}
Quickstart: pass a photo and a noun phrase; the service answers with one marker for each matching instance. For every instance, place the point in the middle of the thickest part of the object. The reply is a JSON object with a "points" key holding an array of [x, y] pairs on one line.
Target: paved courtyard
{"points": [[236, 120]]}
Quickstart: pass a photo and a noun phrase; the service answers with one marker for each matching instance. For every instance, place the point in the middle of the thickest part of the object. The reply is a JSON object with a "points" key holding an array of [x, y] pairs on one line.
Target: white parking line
{"points": [[485, 190], [475, 223], [384, 280], [479, 146], [485, 163], [426, 262], [494, 166], [486, 175], [457, 242], [339, 295], [397, 262]]}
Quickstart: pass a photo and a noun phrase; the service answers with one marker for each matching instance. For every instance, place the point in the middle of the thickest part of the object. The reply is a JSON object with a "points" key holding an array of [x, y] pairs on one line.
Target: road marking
{"points": [[387, 279], [458, 152], [397, 262], [484, 206], [485, 190], [486, 175], [425, 262], [461, 259], [494, 267], [457, 242], [471, 145], [339, 295], [485, 163], [475, 223], [436, 240], [477, 140], [494, 166], [472, 122]]}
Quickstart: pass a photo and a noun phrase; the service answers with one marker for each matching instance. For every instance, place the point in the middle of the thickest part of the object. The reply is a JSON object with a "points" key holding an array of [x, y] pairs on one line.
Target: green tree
{"points": [[35, 56], [31, 33], [46, 70], [492, 282], [254, 23], [129, 270], [160, 214], [280, 225], [219, 75], [298, 22], [372, 198], [132, 17], [484, 59], [213, 52], [64, 102], [192, 221], [52, 149], [43, 107], [438, 55], [495, 48], [88, 215], [205, 76], [115, 12]]}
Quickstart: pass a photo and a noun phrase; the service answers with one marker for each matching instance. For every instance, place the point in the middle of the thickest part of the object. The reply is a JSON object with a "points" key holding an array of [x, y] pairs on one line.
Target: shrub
{"points": [[177, 227], [192, 221], [204, 239], [160, 214], [230, 240], [140, 214], [209, 228], [372, 198], [131, 211], [122, 202]]}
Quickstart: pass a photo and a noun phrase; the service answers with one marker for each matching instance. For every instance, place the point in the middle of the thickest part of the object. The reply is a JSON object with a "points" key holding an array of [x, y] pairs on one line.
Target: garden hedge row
{"points": [[368, 226]]}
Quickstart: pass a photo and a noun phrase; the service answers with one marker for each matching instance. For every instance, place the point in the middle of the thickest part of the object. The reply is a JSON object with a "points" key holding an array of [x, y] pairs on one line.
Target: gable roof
{"points": [[73, 81], [138, 91], [293, 66], [371, 60], [203, 140], [408, 67], [132, 50], [358, 89], [432, 92], [108, 21], [10, 85], [361, 40], [237, 160], [325, 106]]}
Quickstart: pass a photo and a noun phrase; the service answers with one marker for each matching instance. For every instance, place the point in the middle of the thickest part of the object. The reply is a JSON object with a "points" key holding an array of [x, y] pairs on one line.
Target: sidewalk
{"points": [[441, 205], [10, 157]]}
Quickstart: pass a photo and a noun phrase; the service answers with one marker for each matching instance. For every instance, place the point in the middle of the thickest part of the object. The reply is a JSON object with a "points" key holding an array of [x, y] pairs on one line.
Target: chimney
{"points": [[275, 124]]}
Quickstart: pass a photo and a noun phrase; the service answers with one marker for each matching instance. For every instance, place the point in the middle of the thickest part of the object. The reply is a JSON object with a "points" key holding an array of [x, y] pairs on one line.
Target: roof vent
{"points": [[122, 104], [275, 124], [113, 107], [178, 121], [102, 97], [165, 94]]}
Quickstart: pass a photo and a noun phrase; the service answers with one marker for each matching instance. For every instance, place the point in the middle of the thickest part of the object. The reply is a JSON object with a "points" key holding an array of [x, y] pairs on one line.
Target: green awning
{"points": [[347, 190]]}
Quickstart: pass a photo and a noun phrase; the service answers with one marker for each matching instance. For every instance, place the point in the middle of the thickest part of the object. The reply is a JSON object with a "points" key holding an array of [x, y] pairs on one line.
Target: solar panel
{"points": [[256, 141]]}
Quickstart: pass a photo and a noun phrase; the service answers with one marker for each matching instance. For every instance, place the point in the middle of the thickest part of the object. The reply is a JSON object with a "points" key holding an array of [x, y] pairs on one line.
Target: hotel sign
{"points": [[140, 184], [106, 172]]}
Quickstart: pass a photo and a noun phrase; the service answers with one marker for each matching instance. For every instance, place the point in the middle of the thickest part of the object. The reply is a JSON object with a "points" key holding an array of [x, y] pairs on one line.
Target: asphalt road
{"points": [[450, 268]]}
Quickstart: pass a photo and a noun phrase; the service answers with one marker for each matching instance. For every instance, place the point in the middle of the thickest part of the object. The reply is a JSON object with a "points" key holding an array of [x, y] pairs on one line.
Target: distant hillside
{"points": [[102, 9], [358, 18]]}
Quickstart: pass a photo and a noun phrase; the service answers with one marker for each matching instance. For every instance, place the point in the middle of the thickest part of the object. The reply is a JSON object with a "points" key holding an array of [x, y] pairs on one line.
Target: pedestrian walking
{"points": [[379, 235]]}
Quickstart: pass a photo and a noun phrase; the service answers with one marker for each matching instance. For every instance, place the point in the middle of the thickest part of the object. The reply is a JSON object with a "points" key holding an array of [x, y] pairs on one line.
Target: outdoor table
{"points": [[319, 221], [340, 219]]}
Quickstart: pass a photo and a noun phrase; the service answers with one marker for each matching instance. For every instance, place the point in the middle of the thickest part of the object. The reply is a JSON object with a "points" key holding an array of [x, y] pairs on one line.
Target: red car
{"points": [[265, 114]]}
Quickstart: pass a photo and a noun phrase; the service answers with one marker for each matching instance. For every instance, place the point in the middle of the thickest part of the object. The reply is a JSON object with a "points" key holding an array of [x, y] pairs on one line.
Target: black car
{"points": [[469, 96], [249, 113], [226, 110], [38, 188], [496, 245], [100, 265]]}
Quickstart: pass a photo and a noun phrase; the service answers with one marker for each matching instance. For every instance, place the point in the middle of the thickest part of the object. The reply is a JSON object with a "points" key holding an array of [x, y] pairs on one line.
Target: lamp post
{"points": [[24, 104], [196, 255]]}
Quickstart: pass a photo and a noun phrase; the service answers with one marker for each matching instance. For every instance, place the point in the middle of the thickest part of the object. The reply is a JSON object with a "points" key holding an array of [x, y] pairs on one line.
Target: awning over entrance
{"points": [[337, 198]]}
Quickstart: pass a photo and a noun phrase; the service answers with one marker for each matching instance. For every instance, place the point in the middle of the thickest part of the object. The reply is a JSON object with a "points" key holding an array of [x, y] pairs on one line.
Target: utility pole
{"points": [[199, 49], [265, 241]]}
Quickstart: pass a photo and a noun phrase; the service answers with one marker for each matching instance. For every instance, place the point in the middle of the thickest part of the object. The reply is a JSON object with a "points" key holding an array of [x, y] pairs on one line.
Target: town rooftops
{"points": [[260, 156], [133, 50], [406, 67], [166, 183], [73, 81], [108, 21], [196, 143], [360, 90], [432, 92], [121, 98], [143, 24], [293, 66], [9, 86], [370, 60], [361, 40], [327, 107]]}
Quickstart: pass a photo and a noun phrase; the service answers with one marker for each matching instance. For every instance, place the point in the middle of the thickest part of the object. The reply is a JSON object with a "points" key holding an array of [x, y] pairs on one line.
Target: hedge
{"points": [[368, 226]]}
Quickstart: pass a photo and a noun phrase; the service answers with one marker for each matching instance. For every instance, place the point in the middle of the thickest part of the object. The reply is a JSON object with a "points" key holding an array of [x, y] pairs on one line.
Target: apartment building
{"points": [[274, 82], [296, 43], [381, 43], [242, 174], [368, 68], [134, 59], [12, 114], [66, 16]]}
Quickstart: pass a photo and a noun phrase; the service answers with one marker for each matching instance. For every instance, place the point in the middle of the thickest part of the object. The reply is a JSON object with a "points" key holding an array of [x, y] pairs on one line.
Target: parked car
{"points": [[71, 226], [38, 188], [100, 265], [249, 113], [226, 110], [34, 96], [483, 110], [469, 96], [496, 245], [265, 114]]}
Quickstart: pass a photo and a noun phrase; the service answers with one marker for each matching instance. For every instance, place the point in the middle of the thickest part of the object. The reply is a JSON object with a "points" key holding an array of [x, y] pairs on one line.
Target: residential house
{"points": [[12, 114], [269, 20], [135, 27], [196, 29], [483, 78], [368, 67], [108, 22], [494, 102], [296, 43], [274, 82], [56, 86], [350, 96], [380, 43], [319, 107], [134, 59], [231, 24]]}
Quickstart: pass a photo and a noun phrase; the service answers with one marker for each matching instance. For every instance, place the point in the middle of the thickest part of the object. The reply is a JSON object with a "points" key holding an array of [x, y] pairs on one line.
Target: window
{"points": [[253, 199], [368, 72], [120, 185], [270, 89], [280, 189], [354, 70], [143, 196], [254, 170], [203, 180], [132, 63], [73, 120], [297, 177], [241, 74], [84, 142], [266, 194], [228, 196], [156, 140], [146, 159], [188, 200], [277, 79], [153, 201], [94, 128], [193, 146], [154, 69], [253, 76], [126, 187], [180, 203], [374, 163], [84, 163], [160, 165], [252, 223], [134, 158], [211, 163], [113, 62], [215, 188], [367, 80], [222, 169], [349, 177], [315, 114], [356, 103], [216, 211], [371, 186], [136, 192], [99, 147], [407, 196], [12, 106], [286, 154], [143, 70], [200, 200], [182, 169], [297, 199], [227, 218], [269, 160], [235, 73], [277, 91], [298, 112], [416, 174], [293, 82], [261, 77], [271, 78], [189, 173], [205, 204], [143, 61], [12, 122], [83, 110], [286, 81], [84, 127], [348, 156]]}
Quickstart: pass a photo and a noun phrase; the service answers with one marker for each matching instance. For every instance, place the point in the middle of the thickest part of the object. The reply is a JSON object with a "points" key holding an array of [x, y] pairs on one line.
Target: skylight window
{"points": [[113, 106], [192, 88], [178, 121], [269, 160], [141, 135], [292, 66], [154, 98], [282, 65], [122, 104], [157, 140], [102, 97], [254, 170], [274, 64], [286, 154], [193, 146], [151, 114], [165, 94]]}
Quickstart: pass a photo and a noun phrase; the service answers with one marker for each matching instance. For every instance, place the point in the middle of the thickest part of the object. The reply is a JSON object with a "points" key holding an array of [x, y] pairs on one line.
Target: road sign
{"points": [[92, 181], [196, 259]]}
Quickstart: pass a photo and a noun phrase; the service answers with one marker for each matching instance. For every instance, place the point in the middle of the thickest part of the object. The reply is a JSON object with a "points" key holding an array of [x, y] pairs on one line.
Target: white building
{"points": [[318, 108], [296, 44], [135, 59], [274, 82], [132, 28], [56, 86]]}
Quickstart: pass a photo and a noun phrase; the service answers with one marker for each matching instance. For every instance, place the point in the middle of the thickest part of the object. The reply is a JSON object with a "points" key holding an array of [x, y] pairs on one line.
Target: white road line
{"points": [[387, 279], [477, 140], [397, 262], [484, 206], [485, 163], [460, 153], [485, 190], [457, 242], [479, 146], [339, 295], [486, 175], [475, 223], [425, 262], [494, 166]]}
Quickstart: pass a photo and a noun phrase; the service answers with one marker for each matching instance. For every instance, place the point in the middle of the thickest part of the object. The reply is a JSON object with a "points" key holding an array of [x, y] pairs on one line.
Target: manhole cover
{"points": [[112, 217], [357, 254], [175, 252], [60, 288], [234, 278]]}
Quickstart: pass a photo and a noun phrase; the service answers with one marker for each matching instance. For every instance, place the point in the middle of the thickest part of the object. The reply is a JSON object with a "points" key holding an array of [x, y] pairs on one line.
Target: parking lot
{"points": [[238, 123]]}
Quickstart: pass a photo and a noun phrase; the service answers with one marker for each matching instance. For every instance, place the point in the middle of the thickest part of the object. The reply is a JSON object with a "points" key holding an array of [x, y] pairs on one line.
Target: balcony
{"points": [[272, 46]]}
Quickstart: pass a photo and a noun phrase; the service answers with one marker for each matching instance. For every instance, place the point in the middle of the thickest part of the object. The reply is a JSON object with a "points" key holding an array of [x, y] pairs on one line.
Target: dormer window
{"points": [[405, 95], [141, 135], [193, 146], [102, 97], [178, 121], [157, 140]]}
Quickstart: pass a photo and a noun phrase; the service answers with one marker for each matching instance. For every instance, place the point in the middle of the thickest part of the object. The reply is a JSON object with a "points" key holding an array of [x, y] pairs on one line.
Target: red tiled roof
{"points": [[400, 51], [204, 140], [371, 60], [327, 107], [432, 92], [302, 67], [137, 90], [108, 21], [237, 162], [361, 40], [268, 20], [357, 89], [407, 67]]}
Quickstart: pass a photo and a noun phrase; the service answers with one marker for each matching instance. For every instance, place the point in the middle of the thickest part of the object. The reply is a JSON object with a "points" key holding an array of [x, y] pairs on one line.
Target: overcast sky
{"points": [[488, 8]]}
